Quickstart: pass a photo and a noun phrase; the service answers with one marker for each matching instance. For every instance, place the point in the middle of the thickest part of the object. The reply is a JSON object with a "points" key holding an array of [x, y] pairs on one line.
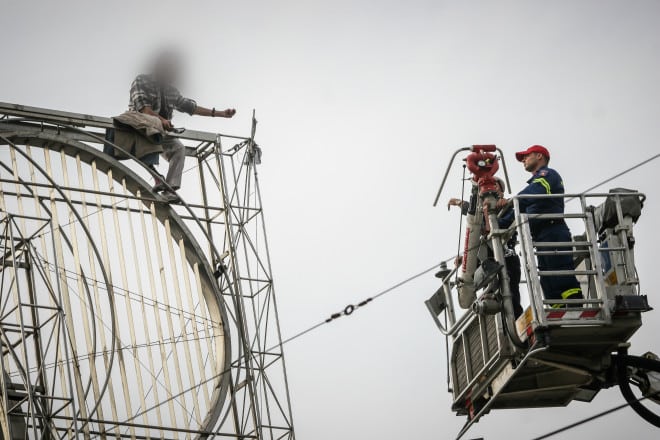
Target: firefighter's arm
{"points": [[506, 219], [538, 186], [526, 205]]}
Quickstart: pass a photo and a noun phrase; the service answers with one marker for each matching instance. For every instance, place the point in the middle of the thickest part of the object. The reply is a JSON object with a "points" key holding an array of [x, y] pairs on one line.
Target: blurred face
{"points": [[167, 69], [533, 161]]}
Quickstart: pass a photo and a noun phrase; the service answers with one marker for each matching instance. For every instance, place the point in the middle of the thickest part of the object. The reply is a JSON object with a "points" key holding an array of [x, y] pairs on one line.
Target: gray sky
{"points": [[360, 106]]}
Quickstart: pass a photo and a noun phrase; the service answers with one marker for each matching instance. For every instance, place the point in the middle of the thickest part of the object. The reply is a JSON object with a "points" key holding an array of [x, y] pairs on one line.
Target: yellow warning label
{"points": [[524, 321], [612, 279]]}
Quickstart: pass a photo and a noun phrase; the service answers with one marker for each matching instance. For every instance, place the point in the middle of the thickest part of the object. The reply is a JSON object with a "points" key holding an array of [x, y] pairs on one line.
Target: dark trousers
{"points": [[557, 287], [513, 270]]}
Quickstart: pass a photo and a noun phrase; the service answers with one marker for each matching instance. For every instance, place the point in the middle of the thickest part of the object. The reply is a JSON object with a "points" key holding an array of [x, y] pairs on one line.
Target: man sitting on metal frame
{"points": [[156, 94]]}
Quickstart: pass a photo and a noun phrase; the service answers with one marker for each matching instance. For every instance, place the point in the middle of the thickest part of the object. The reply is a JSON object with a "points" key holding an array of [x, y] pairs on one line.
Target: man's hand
{"points": [[454, 202], [228, 113], [167, 125], [458, 260]]}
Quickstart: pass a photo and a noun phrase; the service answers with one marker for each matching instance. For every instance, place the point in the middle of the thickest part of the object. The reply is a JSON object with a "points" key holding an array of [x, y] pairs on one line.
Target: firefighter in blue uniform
{"points": [[545, 180]]}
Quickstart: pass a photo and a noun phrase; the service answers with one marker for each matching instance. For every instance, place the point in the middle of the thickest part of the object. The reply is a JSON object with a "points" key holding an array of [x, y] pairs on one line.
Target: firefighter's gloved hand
{"points": [[501, 203]]}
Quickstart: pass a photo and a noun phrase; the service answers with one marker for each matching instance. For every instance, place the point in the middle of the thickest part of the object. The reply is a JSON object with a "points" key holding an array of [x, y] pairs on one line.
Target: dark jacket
{"points": [[544, 181]]}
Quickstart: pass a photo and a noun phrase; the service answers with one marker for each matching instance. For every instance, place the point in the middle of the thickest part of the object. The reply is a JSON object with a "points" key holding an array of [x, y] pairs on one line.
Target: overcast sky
{"points": [[360, 105]]}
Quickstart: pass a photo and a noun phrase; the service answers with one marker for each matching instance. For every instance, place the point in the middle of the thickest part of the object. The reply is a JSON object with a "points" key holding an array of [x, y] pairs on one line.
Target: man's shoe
{"points": [[162, 186], [159, 187], [159, 180], [171, 197]]}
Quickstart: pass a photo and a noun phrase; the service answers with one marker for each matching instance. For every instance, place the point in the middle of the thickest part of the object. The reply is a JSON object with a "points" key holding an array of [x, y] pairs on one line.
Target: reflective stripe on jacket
{"points": [[544, 181]]}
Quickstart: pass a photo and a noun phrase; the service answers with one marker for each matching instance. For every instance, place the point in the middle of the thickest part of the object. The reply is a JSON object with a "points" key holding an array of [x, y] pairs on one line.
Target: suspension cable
{"points": [[590, 418]]}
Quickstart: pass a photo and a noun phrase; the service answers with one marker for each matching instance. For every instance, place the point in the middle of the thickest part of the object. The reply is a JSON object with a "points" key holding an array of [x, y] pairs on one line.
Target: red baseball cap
{"points": [[533, 149]]}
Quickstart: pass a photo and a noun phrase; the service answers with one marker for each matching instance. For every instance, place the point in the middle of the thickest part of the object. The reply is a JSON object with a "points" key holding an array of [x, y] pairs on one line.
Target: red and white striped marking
{"points": [[571, 314]]}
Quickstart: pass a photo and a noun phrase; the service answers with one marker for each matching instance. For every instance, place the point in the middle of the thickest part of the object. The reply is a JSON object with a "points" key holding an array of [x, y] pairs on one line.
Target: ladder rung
{"points": [[542, 244], [585, 301], [582, 252], [614, 249], [554, 216], [566, 272]]}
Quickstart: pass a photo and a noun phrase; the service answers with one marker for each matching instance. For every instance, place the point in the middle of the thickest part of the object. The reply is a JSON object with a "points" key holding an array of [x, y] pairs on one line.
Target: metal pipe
{"points": [[82, 120], [475, 220], [444, 179], [505, 288], [506, 173], [574, 195]]}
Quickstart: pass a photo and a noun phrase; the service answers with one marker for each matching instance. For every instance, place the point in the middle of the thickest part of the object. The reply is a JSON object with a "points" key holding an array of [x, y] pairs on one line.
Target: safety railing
{"points": [[589, 251]]}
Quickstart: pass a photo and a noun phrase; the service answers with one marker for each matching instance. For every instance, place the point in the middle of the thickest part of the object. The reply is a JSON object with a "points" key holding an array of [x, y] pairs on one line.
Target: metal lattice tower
{"points": [[122, 316]]}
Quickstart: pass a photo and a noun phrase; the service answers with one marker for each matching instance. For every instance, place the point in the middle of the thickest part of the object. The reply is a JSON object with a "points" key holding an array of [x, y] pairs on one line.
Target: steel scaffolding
{"points": [[122, 315]]}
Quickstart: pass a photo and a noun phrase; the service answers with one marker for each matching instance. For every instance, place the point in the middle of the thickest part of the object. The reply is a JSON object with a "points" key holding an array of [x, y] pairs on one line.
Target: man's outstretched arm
{"points": [[189, 106], [203, 111]]}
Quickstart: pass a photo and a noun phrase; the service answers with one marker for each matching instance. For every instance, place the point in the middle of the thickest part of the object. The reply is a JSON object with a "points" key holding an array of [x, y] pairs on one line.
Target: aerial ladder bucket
{"points": [[558, 351]]}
